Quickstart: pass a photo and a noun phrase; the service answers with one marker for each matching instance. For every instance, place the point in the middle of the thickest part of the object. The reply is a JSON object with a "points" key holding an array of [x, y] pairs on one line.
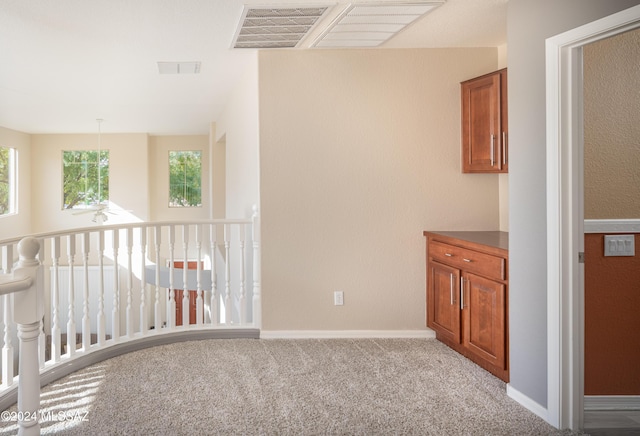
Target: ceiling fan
{"points": [[99, 208]]}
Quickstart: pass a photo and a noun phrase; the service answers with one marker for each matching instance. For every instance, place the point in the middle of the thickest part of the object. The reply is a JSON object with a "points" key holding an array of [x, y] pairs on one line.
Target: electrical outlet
{"points": [[338, 298]]}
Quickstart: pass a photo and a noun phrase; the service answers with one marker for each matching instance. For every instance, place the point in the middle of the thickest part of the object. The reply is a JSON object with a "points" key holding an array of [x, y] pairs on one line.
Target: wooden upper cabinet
{"points": [[484, 124]]}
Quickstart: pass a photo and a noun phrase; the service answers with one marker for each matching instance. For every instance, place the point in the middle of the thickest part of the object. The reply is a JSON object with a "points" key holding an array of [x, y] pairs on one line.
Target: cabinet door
{"points": [[443, 307], [484, 317], [484, 105]]}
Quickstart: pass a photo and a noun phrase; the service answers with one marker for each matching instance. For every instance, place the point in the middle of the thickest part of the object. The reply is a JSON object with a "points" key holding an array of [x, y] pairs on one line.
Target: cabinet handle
{"points": [[453, 301], [504, 148], [448, 254], [467, 260], [461, 293], [493, 141]]}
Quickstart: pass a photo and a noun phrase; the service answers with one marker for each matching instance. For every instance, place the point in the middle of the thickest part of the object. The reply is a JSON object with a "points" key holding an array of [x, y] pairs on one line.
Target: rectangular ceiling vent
{"points": [[372, 24], [265, 27]]}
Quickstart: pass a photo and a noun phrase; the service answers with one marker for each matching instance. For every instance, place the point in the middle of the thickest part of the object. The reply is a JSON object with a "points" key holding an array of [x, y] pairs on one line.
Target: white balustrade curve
{"points": [[76, 297]]}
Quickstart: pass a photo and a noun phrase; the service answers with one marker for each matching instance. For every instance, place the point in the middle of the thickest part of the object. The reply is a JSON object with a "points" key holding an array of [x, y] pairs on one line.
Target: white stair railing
{"points": [[109, 285], [27, 308]]}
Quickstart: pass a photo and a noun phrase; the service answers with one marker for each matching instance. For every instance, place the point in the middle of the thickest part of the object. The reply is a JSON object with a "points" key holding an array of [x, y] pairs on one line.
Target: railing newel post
{"points": [[28, 310]]}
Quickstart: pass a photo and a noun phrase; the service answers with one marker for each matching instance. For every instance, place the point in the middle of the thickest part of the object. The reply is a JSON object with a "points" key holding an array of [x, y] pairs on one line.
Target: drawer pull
{"points": [[467, 260], [448, 254]]}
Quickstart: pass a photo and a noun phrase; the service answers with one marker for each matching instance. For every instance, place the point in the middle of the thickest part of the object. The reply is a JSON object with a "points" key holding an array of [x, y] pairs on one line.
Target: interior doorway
{"points": [[565, 214]]}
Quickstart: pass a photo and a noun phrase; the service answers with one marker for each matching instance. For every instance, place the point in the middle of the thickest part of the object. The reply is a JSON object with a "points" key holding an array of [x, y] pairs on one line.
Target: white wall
{"points": [[360, 153], [20, 223], [236, 131], [128, 178], [530, 22]]}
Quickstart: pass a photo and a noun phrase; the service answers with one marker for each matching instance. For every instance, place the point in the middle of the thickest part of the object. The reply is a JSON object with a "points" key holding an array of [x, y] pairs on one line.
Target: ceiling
{"points": [[65, 63]]}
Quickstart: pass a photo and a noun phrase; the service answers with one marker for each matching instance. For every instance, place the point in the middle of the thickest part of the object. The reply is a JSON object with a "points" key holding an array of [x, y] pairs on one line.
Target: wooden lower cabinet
{"points": [[467, 295]]}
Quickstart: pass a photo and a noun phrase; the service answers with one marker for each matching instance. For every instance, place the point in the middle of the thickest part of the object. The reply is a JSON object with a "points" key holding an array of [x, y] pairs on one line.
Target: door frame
{"points": [[565, 214]]}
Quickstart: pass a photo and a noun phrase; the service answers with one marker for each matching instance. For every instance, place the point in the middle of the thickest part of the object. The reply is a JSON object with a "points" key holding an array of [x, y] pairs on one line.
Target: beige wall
{"points": [[359, 154], [128, 178], [20, 223], [159, 147], [612, 127]]}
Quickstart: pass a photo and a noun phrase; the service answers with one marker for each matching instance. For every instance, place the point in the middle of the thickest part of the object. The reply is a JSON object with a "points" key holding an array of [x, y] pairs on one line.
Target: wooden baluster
{"points": [[71, 322], [257, 303], [199, 296], [144, 317], [55, 300], [241, 290], [227, 275], [7, 348], [214, 309], [101, 321], [115, 313], [185, 276], [158, 312], [129, 313], [171, 307], [86, 321]]}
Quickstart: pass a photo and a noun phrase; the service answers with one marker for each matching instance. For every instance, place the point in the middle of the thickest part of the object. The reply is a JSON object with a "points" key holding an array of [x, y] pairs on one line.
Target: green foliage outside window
{"points": [[6, 182], [81, 186], [185, 178]]}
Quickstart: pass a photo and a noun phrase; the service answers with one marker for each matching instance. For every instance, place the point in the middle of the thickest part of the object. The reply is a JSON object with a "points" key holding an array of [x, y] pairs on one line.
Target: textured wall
{"points": [[612, 127]]}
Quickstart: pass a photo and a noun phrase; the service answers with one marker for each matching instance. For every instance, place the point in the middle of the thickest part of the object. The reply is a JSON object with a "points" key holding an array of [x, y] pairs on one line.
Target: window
{"points": [[7, 180], [85, 180], [185, 179]]}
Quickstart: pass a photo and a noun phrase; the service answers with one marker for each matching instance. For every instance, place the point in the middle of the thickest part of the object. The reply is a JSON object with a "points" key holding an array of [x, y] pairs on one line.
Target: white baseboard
{"points": [[611, 402], [344, 334], [528, 403]]}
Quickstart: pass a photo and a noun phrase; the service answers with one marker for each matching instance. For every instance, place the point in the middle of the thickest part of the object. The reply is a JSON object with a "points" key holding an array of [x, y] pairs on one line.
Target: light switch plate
{"points": [[619, 245]]}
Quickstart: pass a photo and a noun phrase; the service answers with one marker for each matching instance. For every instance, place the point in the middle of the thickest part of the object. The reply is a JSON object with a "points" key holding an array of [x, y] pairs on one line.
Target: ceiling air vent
{"points": [[275, 27], [372, 24]]}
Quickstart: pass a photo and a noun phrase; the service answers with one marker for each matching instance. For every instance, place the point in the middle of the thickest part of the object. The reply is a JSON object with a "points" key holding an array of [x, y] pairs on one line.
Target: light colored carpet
{"points": [[286, 387]]}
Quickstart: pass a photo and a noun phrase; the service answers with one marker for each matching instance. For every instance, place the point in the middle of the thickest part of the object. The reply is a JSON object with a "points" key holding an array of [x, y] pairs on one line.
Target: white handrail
{"points": [[138, 292]]}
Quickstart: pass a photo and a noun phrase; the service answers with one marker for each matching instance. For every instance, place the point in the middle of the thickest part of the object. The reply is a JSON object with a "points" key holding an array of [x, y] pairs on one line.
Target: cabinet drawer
{"points": [[468, 260]]}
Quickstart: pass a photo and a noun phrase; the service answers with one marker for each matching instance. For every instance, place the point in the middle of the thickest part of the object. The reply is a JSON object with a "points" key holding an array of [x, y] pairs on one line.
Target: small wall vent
{"points": [[266, 27]]}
